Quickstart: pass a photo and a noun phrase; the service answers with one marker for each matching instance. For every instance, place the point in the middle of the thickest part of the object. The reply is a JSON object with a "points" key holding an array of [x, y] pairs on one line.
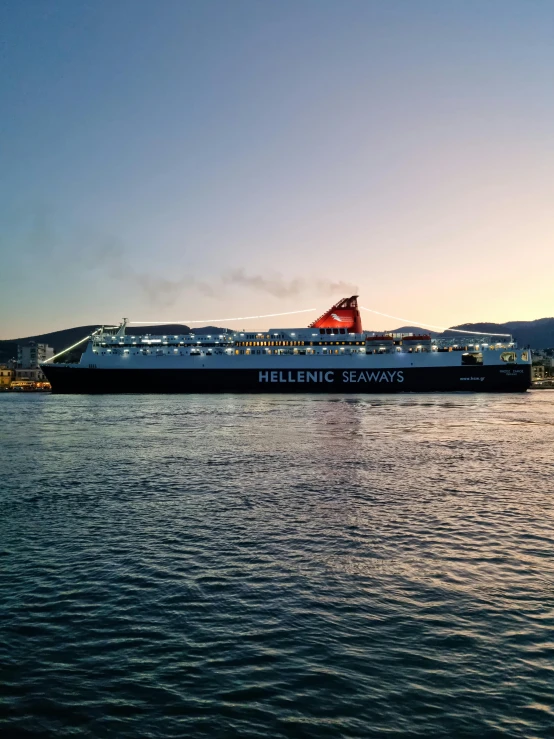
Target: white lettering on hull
{"points": [[376, 376], [329, 376], [295, 376]]}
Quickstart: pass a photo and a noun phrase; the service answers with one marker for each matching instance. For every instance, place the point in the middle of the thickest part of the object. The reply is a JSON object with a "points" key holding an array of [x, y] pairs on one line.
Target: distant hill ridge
{"points": [[539, 334]]}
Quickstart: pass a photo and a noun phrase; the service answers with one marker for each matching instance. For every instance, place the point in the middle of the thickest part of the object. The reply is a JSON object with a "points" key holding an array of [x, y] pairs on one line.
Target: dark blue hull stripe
{"points": [[411, 379]]}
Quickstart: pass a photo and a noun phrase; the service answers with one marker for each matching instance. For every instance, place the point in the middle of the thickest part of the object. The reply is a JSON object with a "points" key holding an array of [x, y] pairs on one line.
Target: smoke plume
{"points": [[278, 287], [275, 286]]}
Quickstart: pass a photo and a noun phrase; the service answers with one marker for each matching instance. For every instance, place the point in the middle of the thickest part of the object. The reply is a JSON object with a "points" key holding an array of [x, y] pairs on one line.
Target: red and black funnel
{"points": [[344, 314]]}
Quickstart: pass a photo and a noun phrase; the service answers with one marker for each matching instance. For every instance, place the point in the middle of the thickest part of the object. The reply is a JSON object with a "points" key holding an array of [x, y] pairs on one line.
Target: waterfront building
{"points": [[31, 375], [29, 359], [538, 372], [31, 356], [7, 375]]}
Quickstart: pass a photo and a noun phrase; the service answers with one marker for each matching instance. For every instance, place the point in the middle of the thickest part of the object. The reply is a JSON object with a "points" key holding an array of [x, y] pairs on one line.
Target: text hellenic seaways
{"points": [[329, 376]]}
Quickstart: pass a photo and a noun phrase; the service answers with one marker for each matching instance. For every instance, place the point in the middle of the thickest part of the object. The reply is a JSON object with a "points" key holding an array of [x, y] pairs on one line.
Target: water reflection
{"points": [[268, 562]]}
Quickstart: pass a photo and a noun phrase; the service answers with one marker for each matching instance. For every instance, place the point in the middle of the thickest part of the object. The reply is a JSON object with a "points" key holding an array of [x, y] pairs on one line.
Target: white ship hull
{"points": [[332, 355]]}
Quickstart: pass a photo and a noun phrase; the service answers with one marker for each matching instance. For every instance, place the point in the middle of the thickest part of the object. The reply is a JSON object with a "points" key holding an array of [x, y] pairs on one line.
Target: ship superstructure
{"points": [[333, 354]]}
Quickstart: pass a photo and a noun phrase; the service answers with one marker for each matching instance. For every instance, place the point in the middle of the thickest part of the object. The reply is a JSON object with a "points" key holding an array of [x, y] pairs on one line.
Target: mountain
{"points": [[538, 334]]}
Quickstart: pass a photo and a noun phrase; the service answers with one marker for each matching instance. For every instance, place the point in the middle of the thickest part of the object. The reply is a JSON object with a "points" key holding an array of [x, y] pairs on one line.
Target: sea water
{"points": [[277, 566]]}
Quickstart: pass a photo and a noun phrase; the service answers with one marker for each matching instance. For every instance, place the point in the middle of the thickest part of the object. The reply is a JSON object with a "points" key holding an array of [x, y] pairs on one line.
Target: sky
{"points": [[201, 159]]}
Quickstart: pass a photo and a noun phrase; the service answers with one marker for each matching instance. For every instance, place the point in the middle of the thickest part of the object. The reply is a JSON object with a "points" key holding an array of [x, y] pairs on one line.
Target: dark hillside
{"points": [[538, 334]]}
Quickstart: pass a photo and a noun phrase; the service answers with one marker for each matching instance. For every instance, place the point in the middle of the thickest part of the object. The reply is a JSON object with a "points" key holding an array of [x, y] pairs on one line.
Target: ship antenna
{"points": [[121, 329]]}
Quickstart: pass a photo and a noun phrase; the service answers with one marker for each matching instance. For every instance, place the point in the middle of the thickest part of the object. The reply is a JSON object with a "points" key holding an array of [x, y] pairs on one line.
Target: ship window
{"points": [[342, 330], [524, 356], [508, 356], [472, 358]]}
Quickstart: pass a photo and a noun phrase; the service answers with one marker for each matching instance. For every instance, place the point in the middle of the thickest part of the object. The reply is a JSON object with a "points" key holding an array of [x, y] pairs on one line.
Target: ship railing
{"points": [[484, 341]]}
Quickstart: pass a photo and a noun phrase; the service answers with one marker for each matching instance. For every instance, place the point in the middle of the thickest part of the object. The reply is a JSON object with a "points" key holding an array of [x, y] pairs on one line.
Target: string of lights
{"points": [[272, 315], [69, 348], [214, 320], [430, 325]]}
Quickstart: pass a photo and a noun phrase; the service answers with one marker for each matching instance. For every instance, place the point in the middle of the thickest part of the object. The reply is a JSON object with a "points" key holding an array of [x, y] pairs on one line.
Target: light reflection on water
{"points": [[277, 565]]}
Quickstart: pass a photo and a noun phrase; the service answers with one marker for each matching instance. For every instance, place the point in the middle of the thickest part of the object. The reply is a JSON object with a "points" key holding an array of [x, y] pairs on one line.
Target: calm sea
{"points": [[294, 566]]}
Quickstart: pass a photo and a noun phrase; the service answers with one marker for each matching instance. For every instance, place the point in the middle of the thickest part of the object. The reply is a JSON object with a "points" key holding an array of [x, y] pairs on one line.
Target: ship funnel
{"points": [[344, 314]]}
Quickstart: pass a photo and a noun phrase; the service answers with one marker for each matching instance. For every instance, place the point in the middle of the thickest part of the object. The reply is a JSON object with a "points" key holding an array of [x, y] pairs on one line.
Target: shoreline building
{"points": [[29, 359], [7, 376]]}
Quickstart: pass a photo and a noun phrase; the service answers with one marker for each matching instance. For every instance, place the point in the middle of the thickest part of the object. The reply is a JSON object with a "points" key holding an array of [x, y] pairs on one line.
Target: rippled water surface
{"points": [[278, 566]]}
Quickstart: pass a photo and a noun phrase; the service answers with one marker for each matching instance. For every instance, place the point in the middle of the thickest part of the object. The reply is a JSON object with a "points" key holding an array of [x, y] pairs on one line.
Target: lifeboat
{"points": [[379, 343], [417, 343]]}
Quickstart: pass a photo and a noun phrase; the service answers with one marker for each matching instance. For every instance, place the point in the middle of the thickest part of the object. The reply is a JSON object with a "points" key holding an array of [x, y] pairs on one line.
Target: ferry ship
{"points": [[332, 355]]}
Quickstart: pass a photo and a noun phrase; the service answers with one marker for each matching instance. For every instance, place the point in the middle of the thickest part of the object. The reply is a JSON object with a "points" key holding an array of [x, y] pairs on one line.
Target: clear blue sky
{"points": [[174, 159]]}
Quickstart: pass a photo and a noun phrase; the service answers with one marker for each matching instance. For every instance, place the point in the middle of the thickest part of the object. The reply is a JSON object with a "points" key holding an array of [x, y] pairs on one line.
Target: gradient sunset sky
{"points": [[181, 159]]}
